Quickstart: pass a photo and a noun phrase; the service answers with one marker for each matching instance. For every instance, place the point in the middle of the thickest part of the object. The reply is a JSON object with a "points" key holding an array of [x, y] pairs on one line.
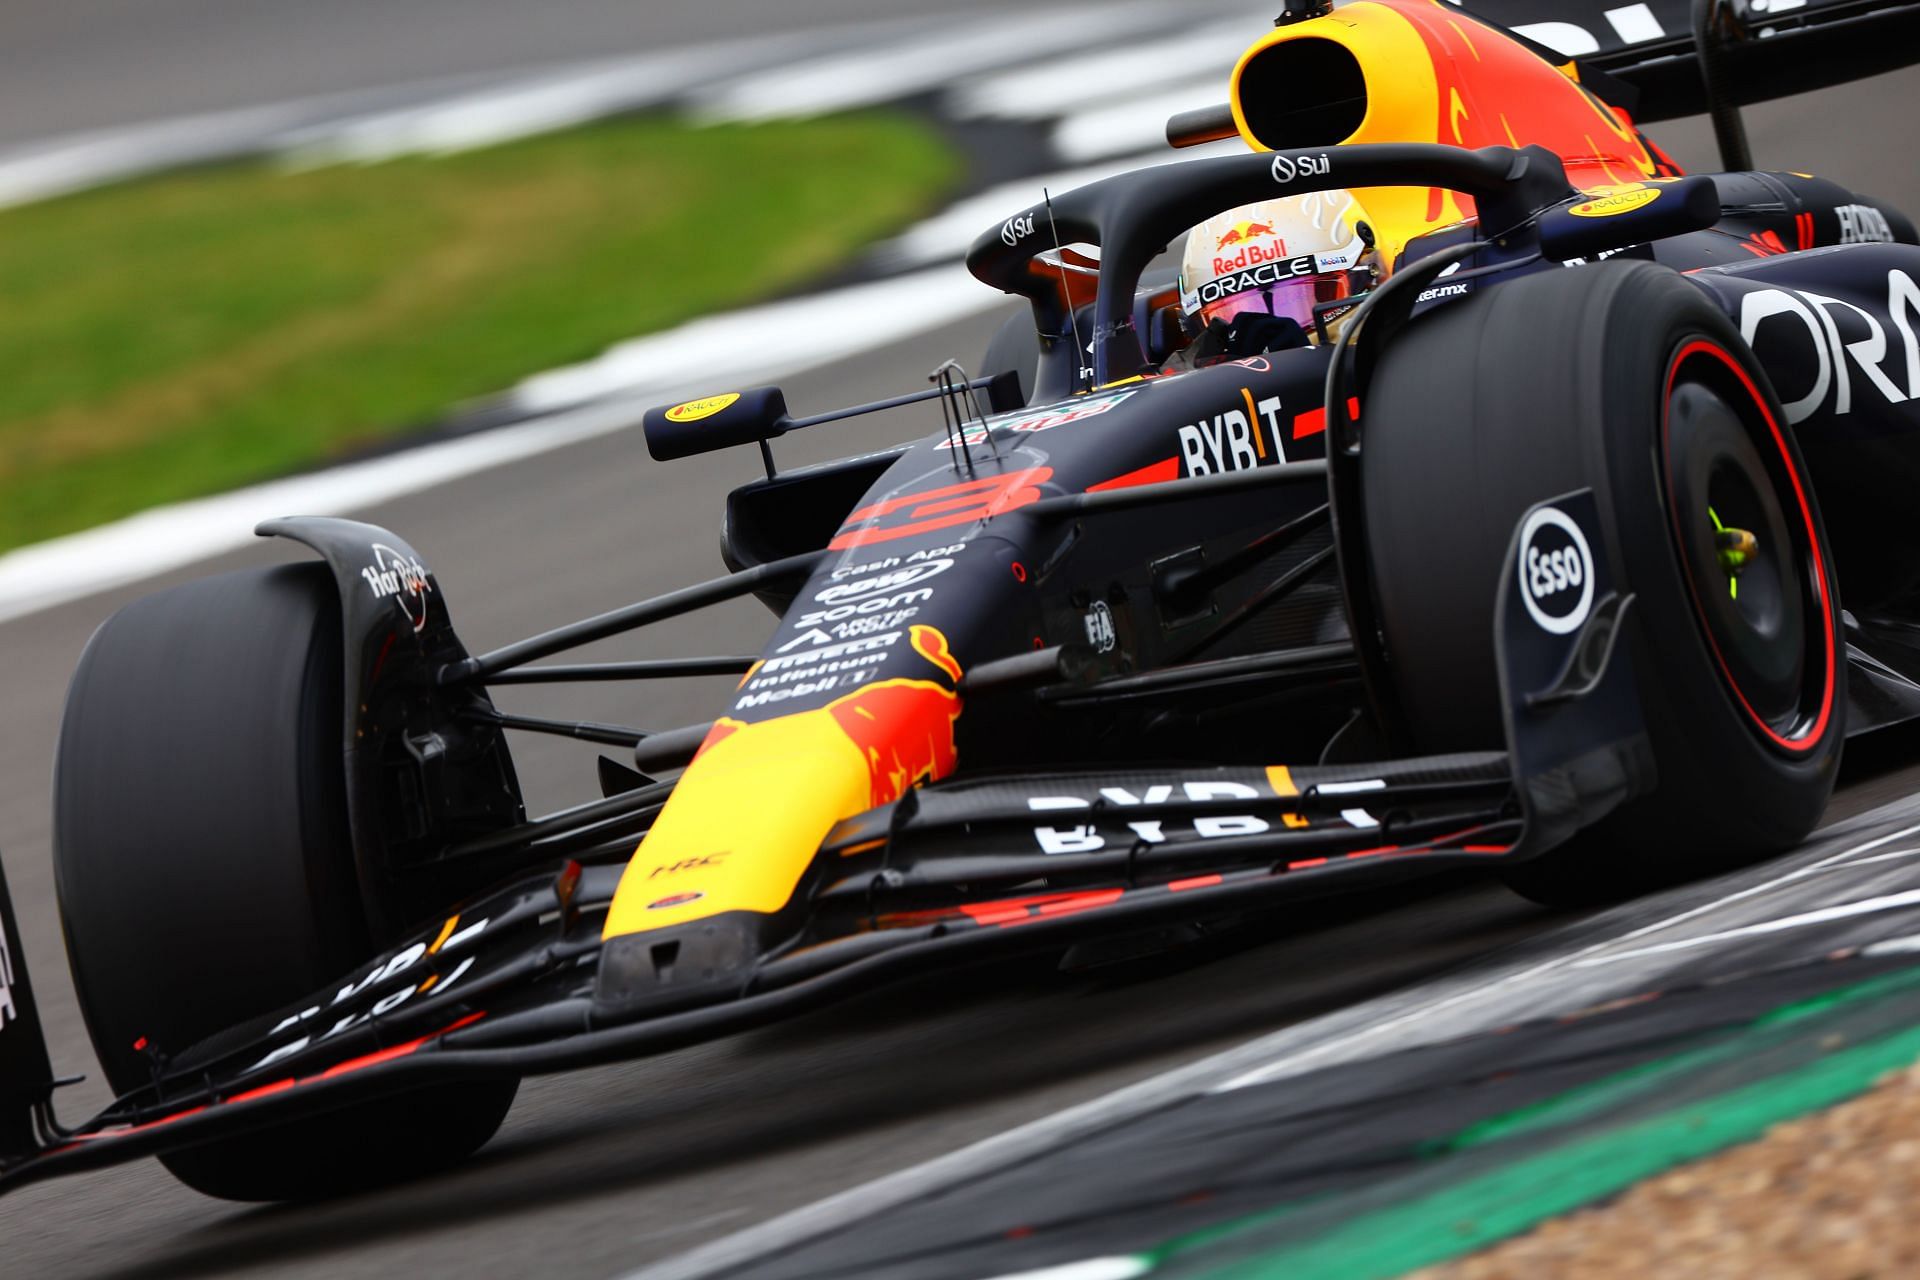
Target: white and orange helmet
{"points": [[1279, 257]]}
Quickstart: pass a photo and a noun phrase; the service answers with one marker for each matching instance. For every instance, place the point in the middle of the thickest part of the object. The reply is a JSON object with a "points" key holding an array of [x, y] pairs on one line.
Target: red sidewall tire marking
{"points": [[1814, 736]]}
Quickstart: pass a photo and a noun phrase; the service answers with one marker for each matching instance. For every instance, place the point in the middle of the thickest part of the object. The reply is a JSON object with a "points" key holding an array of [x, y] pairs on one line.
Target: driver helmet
{"points": [[1278, 258]]}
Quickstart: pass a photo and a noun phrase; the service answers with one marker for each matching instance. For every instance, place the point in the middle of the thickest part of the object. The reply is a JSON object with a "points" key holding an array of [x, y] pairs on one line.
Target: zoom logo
{"points": [[1556, 571]]}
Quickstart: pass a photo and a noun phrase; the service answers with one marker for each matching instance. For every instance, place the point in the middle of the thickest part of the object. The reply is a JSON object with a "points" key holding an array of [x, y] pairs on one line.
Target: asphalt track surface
{"points": [[91, 64], [600, 1172]]}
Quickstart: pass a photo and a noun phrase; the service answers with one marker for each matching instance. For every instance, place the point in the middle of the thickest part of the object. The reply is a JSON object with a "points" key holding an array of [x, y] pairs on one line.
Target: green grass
{"points": [[180, 336]]}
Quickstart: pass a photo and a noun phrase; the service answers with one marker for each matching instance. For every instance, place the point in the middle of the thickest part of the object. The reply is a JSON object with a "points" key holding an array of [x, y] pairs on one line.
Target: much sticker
{"points": [[1616, 204], [705, 407]]}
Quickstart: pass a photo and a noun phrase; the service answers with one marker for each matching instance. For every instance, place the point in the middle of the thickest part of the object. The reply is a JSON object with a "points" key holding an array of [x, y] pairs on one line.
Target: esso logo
{"points": [[1556, 571]]}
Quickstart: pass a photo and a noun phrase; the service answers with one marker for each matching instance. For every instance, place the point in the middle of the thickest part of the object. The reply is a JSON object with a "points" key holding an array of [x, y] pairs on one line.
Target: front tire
{"points": [[204, 869], [1625, 378]]}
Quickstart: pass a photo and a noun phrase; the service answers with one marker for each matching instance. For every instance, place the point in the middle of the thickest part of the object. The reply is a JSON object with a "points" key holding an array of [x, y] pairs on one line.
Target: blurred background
{"points": [[243, 240], [422, 261]]}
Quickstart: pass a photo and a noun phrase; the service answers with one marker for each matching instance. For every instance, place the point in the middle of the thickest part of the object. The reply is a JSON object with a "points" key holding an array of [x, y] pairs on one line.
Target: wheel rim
{"points": [[1748, 547]]}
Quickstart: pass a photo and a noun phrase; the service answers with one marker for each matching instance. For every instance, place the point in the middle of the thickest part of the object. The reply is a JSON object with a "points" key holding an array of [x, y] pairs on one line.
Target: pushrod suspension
{"points": [[630, 618], [578, 818], [654, 669]]}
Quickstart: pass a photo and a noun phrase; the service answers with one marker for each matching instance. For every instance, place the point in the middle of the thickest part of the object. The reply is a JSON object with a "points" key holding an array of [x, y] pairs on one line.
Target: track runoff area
{"points": [[1416, 1127], [1466, 1088]]}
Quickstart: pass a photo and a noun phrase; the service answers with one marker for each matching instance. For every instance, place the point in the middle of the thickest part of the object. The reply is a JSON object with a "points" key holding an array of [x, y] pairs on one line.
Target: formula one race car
{"points": [[1524, 568]]}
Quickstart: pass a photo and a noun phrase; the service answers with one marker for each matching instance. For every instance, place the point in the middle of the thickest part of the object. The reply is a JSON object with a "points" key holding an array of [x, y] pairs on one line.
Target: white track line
{"points": [[933, 60], [1252, 1063], [814, 330], [1890, 856], [947, 234], [696, 358], [1118, 1267], [1134, 124], [1867, 906], [1293, 1064], [1063, 86], [787, 73], [76, 162], [503, 113], [544, 100]]}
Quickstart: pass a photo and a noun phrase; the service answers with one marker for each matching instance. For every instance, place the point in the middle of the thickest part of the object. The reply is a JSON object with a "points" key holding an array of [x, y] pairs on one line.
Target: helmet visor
{"points": [[1292, 299]]}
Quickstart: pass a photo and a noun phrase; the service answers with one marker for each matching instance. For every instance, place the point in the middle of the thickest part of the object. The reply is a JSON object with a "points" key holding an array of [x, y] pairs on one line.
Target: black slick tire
{"points": [[1624, 378], [204, 870]]}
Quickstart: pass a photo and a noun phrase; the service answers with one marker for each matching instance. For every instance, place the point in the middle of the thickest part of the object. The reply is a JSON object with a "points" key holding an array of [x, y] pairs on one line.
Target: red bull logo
{"points": [[766, 793], [904, 728], [931, 644], [1255, 253], [1242, 232]]}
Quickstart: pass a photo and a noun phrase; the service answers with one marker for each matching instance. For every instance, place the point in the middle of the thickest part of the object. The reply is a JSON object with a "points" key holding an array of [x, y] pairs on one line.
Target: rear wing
{"points": [[1768, 48]]}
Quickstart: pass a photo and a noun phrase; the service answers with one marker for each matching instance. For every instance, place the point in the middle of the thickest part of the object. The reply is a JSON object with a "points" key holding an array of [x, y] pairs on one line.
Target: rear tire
{"points": [[1625, 378], [204, 869]]}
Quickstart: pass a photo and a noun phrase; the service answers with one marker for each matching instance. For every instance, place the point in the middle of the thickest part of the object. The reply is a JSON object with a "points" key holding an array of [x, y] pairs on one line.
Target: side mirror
{"points": [[1650, 211], [716, 422]]}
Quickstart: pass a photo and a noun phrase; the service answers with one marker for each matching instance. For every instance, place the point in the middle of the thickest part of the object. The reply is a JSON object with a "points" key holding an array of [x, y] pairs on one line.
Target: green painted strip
{"points": [[1584, 1100], [1508, 1201], [1872, 988], [1579, 1102]]}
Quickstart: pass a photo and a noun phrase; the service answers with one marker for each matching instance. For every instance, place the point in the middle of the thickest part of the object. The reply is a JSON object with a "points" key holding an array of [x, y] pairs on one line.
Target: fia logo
{"points": [[1100, 629]]}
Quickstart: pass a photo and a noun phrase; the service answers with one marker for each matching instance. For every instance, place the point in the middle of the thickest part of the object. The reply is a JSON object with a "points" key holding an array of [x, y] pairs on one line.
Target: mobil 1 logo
{"points": [[1555, 564]]}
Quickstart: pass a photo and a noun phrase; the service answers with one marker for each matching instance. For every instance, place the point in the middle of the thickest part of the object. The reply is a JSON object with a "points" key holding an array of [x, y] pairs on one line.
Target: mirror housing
{"points": [[1635, 215], [716, 422]]}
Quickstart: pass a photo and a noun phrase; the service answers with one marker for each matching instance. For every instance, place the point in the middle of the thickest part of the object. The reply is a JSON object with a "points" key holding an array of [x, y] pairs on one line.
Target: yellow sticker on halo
{"points": [[705, 407], [1617, 203]]}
